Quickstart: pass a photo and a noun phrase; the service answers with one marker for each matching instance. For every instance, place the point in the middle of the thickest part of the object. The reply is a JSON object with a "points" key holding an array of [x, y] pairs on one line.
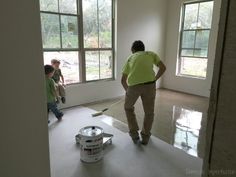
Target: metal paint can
{"points": [[91, 144]]}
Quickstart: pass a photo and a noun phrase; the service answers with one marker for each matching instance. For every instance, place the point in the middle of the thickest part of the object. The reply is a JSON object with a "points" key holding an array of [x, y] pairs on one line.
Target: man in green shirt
{"points": [[139, 80]]}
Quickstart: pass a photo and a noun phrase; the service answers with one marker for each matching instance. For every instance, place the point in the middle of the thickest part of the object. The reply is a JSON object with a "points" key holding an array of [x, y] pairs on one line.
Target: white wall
{"points": [[189, 85], [23, 129], [136, 19]]}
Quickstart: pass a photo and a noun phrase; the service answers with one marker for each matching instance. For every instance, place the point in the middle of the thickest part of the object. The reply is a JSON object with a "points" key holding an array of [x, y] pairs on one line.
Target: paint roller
{"points": [[107, 108]]}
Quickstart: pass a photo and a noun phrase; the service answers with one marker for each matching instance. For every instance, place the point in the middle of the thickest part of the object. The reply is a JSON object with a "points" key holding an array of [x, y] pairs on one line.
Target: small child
{"points": [[59, 80], [51, 92]]}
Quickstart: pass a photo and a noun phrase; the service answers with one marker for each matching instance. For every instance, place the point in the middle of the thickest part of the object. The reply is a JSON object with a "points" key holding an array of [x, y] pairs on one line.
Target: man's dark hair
{"points": [[48, 69], [137, 46]]}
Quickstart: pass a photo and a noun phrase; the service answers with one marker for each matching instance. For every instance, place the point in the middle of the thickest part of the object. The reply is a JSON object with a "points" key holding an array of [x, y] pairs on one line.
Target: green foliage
{"points": [[97, 23]]}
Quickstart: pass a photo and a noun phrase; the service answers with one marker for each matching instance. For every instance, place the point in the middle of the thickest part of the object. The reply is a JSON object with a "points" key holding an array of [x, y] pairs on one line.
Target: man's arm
{"points": [[162, 69], [124, 82]]}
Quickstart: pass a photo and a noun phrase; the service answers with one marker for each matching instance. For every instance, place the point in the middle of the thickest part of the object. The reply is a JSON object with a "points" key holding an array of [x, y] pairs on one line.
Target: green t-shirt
{"points": [[57, 74], [139, 67], [50, 88]]}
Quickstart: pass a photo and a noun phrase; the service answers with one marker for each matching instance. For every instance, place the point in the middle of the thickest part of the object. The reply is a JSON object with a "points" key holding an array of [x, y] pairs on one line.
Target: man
{"points": [[139, 79]]}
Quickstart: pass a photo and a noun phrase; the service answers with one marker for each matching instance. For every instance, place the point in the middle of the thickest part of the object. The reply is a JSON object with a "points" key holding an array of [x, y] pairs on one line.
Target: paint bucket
{"points": [[91, 144]]}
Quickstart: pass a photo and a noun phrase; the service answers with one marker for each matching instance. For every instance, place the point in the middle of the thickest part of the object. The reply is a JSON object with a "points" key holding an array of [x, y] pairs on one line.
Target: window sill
{"points": [[190, 77], [93, 81]]}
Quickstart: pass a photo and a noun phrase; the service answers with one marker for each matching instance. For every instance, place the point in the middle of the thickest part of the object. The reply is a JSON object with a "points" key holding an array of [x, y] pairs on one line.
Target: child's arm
{"points": [[54, 89], [55, 93], [62, 77]]}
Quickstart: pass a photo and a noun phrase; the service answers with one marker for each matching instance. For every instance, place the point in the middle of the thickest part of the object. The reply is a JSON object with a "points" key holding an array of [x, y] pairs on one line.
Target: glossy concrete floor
{"points": [[122, 158], [180, 119]]}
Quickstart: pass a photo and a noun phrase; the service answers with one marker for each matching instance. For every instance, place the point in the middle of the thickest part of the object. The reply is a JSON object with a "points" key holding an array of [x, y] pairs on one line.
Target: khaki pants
{"points": [[147, 92], [60, 89]]}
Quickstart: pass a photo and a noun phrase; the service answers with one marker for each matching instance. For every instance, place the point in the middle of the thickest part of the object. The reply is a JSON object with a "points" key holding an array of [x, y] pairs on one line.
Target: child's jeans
{"points": [[53, 107]]}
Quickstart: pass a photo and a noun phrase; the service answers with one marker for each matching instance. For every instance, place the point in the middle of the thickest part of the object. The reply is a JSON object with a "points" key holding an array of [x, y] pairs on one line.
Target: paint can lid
{"points": [[91, 131]]}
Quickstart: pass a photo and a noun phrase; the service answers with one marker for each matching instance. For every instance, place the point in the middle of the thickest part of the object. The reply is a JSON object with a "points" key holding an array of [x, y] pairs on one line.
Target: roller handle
{"points": [[104, 109]]}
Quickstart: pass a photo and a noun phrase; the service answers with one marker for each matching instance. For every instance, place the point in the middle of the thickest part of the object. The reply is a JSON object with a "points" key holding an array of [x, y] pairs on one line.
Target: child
{"points": [[57, 77], [51, 92]]}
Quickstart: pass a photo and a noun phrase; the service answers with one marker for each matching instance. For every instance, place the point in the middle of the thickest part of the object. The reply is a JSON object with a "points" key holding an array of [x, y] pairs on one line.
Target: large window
{"points": [[194, 42], [80, 34]]}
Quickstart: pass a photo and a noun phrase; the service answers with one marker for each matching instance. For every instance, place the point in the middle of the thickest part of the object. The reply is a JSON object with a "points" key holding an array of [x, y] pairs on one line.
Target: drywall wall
{"points": [[186, 84], [136, 19], [220, 157], [23, 129]]}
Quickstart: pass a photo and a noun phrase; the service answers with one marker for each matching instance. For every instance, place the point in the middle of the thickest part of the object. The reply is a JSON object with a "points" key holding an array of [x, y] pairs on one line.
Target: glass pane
{"points": [[196, 67], [200, 53], [92, 65], [105, 23], [185, 52], [90, 22], [188, 39], [69, 64], [69, 29], [68, 6], [50, 30], [205, 14], [106, 64], [202, 40], [190, 17], [49, 5]]}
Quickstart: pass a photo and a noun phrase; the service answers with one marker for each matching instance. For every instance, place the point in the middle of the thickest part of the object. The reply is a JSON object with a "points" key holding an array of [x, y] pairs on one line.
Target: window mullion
{"points": [[195, 38], [82, 63], [181, 39], [60, 31], [58, 8], [59, 24], [98, 30], [113, 39]]}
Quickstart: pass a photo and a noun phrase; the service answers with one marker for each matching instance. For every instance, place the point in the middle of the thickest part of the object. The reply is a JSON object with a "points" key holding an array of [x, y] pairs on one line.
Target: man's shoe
{"points": [[144, 142], [145, 138], [136, 140]]}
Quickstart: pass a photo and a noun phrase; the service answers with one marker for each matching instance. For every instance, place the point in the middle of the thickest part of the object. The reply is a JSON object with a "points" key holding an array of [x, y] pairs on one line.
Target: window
{"points": [[80, 34], [195, 33]]}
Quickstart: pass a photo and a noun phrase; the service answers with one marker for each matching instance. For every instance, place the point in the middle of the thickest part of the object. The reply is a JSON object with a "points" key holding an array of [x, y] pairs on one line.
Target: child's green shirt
{"points": [[50, 88]]}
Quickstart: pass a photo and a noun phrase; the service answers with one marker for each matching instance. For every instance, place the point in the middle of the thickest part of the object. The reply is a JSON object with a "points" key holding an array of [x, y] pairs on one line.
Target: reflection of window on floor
{"points": [[83, 43], [195, 33], [188, 124]]}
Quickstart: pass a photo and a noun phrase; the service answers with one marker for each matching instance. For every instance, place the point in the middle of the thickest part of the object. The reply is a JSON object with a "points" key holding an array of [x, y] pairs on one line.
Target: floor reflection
{"points": [[115, 123], [187, 129], [180, 119]]}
